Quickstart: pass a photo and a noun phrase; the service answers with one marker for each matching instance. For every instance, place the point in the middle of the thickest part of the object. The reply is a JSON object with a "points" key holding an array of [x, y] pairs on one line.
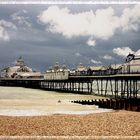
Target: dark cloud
{"points": [[41, 48]]}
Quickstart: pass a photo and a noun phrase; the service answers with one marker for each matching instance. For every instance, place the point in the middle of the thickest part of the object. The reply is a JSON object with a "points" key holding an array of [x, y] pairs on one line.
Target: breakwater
{"points": [[117, 104]]}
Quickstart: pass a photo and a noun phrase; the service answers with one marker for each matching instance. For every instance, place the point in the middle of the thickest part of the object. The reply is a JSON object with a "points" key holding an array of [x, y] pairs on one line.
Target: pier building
{"points": [[19, 70], [132, 64], [57, 72], [81, 70]]}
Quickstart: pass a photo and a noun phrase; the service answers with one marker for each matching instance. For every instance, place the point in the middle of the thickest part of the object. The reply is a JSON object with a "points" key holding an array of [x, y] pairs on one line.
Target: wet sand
{"points": [[121, 123], [17, 101]]}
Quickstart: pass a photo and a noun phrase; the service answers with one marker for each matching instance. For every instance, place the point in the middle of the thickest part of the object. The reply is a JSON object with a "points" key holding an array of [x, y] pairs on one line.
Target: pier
{"points": [[115, 86], [116, 82], [121, 90]]}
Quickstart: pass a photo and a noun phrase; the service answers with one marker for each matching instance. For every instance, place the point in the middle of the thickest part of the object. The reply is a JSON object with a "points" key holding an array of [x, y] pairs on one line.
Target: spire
{"points": [[20, 57], [20, 62]]}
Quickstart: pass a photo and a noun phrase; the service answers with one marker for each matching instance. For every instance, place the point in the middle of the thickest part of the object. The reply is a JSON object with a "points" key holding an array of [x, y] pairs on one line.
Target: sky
{"points": [[69, 34]]}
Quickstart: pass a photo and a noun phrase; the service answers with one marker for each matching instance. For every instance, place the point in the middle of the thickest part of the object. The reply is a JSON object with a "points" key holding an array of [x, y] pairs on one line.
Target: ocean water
{"points": [[18, 101]]}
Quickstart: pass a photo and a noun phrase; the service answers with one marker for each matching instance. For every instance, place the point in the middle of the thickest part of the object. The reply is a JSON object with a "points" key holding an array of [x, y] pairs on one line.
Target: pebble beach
{"points": [[120, 123]]}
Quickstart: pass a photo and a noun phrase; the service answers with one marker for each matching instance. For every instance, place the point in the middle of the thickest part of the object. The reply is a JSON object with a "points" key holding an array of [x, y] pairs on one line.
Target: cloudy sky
{"points": [[68, 34]]}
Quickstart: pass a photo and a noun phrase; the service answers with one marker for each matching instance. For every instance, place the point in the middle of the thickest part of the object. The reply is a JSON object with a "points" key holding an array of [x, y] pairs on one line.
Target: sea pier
{"points": [[114, 86], [117, 82]]}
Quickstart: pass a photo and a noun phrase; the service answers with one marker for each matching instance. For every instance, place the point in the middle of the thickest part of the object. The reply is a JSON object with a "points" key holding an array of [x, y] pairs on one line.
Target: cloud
{"points": [[4, 25], [91, 42], [101, 24], [124, 51], [3, 34], [107, 57], [77, 54], [95, 61], [130, 19], [21, 18]]}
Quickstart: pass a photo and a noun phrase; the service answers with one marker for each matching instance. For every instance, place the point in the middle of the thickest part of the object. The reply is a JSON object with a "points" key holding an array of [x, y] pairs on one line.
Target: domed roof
{"points": [[20, 62]]}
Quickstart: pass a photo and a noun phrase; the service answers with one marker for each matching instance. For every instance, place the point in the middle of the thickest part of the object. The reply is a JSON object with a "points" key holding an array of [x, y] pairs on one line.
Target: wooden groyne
{"points": [[116, 104]]}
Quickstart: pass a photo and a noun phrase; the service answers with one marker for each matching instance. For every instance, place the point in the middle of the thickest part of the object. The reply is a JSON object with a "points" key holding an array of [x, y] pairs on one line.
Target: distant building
{"points": [[114, 69], [72, 71], [94, 70], [132, 64], [81, 70], [20, 70], [57, 72]]}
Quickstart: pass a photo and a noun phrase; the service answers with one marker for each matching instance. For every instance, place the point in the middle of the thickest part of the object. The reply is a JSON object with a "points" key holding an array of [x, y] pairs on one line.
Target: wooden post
{"points": [[127, 89], [117, 88], [106, 87], [73, 86], [82, 86], [79, 86], [122, 88], [136, 88], [88, 87], [91, 86], [98, 87], [111, 87], [131, 88], [101, 87]]}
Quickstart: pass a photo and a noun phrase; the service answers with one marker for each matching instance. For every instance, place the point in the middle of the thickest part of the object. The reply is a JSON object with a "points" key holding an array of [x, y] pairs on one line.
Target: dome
{"points": [[20, 62]]}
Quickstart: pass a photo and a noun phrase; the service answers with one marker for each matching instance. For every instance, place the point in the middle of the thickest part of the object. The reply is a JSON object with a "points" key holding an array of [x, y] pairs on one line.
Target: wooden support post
{"points": [[122, 94], [136, 88], [88, 87], [82, 86], [79, 86], [130, 85], [73, 86], [124, 89], [98, 87], [50, 85], [54, 85], [91, 86], [101, 87], [63, 86], [127, 89], [106, 87], [70, 86], [115, 88], [67, 86], [111, 86]]}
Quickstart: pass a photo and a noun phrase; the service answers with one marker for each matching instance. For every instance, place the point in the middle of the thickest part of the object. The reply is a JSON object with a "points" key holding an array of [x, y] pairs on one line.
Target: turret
{"points": [[20, 62]]}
